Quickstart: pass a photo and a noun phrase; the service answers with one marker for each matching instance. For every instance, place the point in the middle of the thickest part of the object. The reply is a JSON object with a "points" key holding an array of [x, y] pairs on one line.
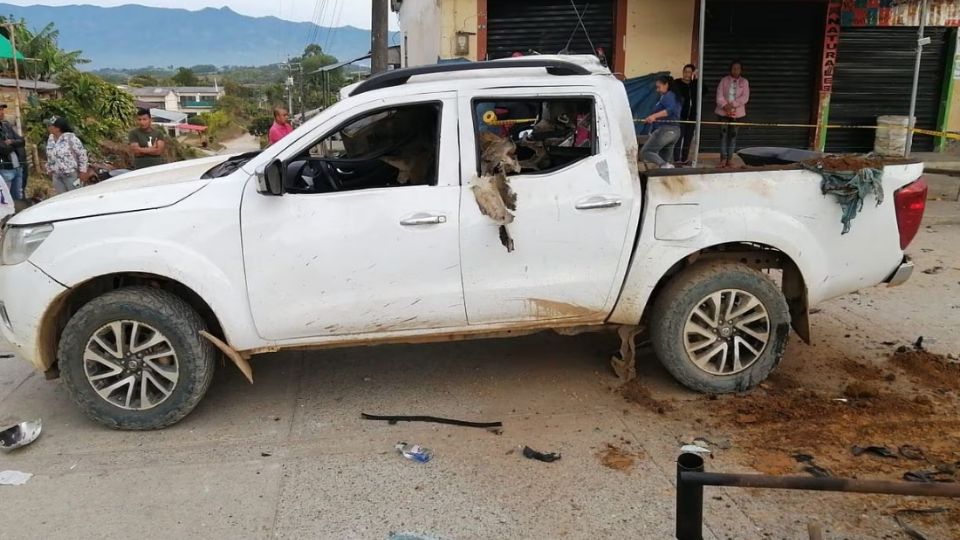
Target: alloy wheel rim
{"points": [[131, 365], [726, 332]]}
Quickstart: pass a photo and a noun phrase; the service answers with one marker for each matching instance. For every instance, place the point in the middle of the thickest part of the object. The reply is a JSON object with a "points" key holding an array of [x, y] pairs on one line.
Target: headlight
{"points": [[20, 242]]}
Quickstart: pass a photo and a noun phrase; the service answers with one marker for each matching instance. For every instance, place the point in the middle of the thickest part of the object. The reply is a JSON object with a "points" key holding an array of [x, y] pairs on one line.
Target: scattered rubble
{"points": [[635, 392], [546, 457]]}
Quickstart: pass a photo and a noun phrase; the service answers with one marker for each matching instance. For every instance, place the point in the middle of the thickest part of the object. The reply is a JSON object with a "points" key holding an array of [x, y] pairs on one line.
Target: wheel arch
{"points": [[67, 304], [759, 256]]}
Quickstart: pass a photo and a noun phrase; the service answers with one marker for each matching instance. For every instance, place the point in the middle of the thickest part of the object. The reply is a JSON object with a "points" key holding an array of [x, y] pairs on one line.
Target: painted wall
{"points": [[458, 16], [420, 30], [953, 120], [659, 36]]}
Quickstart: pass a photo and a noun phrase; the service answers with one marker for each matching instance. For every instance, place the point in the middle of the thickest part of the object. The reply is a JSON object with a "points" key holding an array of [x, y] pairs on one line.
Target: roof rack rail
{"points": [[398, 77]]}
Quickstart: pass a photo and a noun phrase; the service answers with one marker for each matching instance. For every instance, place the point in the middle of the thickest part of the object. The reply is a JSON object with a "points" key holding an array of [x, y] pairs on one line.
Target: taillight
{"points": [[910, 201]]}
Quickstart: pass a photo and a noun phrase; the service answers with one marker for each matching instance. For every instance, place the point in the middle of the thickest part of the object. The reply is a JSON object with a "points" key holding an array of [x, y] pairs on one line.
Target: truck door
{"points": [[365, 237], [573, 208]]}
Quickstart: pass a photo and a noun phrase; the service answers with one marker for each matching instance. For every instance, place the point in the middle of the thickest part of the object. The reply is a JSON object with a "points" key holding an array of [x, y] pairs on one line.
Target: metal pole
{"points": [[916, 76], [689, 512], [695, 147], [809, 483], [378, 36]]}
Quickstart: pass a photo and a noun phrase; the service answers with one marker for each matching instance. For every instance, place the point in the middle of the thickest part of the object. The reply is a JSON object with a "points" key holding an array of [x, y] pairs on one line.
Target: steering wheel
{"points": [[330, 174]]}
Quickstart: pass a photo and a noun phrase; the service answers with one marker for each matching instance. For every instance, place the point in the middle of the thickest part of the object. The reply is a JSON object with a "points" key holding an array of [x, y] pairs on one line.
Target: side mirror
{"points": [[270, 178]]}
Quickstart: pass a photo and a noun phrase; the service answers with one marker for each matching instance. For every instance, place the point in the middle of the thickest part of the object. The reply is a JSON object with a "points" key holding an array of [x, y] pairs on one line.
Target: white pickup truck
{"points": [[446, 202]]}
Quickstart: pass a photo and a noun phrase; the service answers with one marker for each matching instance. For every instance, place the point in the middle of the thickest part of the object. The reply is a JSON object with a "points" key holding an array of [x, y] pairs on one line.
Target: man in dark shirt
{"points": [[659, 148], [13, 156], [686, 90], [147, 142]]}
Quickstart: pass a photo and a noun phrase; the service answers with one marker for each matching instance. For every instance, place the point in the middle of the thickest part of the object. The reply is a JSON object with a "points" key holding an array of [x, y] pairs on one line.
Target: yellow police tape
{"points": [[944, 134], [490, 119]]}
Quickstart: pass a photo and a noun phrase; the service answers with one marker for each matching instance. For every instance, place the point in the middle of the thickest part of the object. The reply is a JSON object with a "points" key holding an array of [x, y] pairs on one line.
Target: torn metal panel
{"points": [[242, 364], [20, 435], [498, 157]]}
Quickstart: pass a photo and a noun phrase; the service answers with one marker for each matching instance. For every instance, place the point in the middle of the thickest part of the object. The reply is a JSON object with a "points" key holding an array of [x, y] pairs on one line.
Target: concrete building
{"points": [[808, 61], [188, 99]]}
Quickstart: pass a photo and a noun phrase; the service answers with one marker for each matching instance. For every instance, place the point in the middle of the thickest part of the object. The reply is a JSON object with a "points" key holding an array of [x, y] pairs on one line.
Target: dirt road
{"points": [[290, 457]]}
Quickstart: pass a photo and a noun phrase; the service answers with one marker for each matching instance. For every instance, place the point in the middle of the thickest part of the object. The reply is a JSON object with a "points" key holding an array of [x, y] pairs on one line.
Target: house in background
{"points": [[191, 100], [30, 92]]}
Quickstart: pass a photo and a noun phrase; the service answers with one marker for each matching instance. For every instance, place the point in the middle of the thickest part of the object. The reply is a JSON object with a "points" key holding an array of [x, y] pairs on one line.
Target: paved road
{"points": [[289, 456], [243, 143]]}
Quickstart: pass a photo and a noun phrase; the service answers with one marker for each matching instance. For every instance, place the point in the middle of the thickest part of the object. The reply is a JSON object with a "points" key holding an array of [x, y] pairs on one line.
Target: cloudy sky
{"points": [[325, 12]]}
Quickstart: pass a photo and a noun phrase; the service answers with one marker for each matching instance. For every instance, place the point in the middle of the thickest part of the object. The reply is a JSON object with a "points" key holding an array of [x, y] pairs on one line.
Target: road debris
{"points": [[14, 478], [912, 452], [907, 529], [548, 457], [414, 452], [616, 458], [20, 435], [635, 392], [933, 271], [810, 467], [694, 449], [879, 451], [392, 420], [624, 362], [408, 536], [861, 390]]}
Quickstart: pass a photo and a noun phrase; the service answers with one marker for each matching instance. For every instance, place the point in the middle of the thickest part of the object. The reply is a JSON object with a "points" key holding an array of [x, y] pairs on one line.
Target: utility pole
{"points": [[12, 30], [378, 36], [921, 41]]}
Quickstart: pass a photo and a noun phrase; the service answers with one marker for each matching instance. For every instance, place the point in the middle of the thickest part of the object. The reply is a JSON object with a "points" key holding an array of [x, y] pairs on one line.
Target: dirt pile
{"points": [[635, 392], [846, 163], [617, 458], [933, 370]]}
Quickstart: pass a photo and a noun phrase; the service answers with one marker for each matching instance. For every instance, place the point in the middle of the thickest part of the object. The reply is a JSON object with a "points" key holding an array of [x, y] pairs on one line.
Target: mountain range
{"points": [[133, 36]]}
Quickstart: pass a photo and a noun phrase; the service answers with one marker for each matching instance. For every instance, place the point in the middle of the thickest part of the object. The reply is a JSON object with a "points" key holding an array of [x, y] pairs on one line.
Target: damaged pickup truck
{"points": [[445, 202]]}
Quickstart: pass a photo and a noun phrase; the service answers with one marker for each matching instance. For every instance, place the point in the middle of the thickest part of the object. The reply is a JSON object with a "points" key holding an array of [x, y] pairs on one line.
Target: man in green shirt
{"points": [[146, 142]]}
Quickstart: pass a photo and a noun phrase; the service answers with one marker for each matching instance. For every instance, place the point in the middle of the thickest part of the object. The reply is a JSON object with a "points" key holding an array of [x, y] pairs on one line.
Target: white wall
{"points": [[419, 32]]}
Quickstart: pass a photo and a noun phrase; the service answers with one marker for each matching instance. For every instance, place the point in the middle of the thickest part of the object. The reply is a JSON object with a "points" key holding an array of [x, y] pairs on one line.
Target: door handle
{"points": [[595, 203], [423, 219]]}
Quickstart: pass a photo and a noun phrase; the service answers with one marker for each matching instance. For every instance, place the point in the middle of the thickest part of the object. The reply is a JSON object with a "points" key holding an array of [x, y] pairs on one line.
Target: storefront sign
{"points": [[831, 42], [899, 13]]}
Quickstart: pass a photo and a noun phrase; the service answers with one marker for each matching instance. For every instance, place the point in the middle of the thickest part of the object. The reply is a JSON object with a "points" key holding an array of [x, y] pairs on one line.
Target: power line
{"points": [[335, 27]]}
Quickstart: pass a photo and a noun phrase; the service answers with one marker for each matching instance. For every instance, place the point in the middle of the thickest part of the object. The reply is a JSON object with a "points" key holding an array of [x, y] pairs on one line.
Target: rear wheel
{"points": [[134, 359], [720, 327]]}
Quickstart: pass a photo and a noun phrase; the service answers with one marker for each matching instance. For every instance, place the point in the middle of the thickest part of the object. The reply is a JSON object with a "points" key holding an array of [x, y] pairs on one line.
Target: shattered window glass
{"points": [[526, 136], [384, 148], [545, 134]]}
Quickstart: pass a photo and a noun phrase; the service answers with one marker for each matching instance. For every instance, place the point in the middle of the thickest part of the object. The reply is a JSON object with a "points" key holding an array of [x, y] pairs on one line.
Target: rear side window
{"points": [[544, 135]]}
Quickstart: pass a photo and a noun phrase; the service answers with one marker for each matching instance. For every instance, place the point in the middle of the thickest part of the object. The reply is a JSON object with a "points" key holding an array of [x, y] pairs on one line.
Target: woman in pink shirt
{"points": [[281, 125], [732, 97]]}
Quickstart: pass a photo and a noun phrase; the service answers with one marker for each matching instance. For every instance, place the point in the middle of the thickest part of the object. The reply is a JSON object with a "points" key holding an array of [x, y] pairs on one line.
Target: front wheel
{"points": [[134, 359], [720, 327]]}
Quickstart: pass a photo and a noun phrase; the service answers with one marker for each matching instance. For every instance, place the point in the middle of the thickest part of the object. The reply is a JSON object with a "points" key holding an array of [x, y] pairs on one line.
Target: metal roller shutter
{"points": [[544, 26], [874, 77], [780, 47]]}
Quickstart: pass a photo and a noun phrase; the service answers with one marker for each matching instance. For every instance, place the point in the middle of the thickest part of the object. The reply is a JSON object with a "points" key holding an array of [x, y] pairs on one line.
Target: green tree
{"points": [[185, 77], [142, 79]]}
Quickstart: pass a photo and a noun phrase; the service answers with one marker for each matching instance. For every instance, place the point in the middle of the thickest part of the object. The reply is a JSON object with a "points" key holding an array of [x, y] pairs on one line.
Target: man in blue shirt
{"points": [[659, 147]]}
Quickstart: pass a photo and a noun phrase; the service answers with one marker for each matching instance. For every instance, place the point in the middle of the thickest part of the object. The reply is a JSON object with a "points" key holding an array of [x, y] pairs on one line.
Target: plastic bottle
{"points": [[414, 452]]}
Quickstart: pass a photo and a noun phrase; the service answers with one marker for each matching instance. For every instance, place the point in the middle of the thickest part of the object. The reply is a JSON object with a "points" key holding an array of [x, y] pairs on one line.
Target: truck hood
{"points": [[155, 187]]}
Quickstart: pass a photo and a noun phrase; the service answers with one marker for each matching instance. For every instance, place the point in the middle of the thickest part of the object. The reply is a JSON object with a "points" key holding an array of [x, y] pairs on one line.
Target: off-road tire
{"points": [[165, 312], [681, 295]]}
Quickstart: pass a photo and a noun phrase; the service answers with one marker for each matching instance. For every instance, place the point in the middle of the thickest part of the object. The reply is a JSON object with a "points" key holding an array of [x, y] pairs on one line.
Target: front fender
{"points": [[195, 243]]}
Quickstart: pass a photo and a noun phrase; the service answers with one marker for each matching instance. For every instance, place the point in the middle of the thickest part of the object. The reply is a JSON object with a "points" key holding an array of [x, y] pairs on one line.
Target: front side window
{"points": [[544, 135], [391, 147]]}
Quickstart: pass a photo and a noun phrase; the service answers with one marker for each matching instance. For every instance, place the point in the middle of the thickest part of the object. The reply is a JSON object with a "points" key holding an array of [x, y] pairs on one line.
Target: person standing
{"points": [[659, 147], [147, 142], [686, 90], [281, 125], [67, 162], [733, 93], [13, 156]]}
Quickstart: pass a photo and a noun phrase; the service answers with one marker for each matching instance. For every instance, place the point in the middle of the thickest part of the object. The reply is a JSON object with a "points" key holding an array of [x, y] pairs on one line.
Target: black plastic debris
{"points": [[394, 419], [879, 451], [812, 468], [912, 452], [548, 457]]}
